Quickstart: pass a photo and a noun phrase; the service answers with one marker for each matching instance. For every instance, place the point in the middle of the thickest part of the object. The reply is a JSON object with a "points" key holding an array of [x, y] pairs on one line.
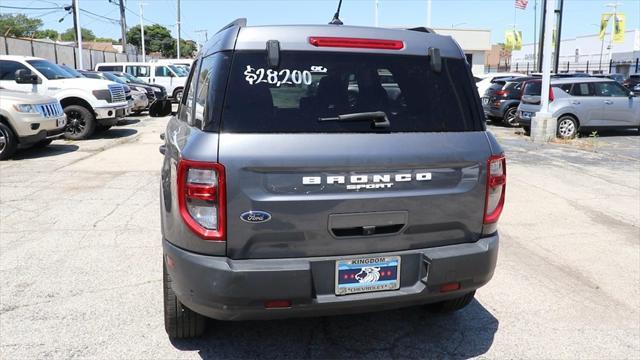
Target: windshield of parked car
{"points": [[50, 70], [128, 78], [309, 86], [73, 72], [179, 71], [111, 77]]}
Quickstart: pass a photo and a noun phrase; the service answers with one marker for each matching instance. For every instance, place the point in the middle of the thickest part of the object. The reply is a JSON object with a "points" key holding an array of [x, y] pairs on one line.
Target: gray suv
{"points": [[582, 104], [317, 170]]}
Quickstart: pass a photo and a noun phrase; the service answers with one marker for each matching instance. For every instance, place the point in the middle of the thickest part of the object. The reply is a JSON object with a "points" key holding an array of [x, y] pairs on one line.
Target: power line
{"points": [[30, 8], [100, 16]]}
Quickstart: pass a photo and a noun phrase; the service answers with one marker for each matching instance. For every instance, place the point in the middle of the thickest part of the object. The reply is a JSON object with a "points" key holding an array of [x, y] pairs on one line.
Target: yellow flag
{"points": [[618, 29], [518, 40], [604, 21], [509, 40]]}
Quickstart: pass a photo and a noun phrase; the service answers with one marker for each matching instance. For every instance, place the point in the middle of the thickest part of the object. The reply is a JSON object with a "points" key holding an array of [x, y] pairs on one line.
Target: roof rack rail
{"points": [[422, 29], [241, 22]]}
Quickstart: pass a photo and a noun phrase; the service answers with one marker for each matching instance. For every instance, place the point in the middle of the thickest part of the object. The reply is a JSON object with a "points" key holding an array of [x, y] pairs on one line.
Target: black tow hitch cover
{"points": [[435, 59], [273, 54], [160, 108]]}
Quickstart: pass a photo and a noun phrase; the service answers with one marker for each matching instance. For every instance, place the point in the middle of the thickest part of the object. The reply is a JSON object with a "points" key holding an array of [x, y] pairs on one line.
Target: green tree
{"points": [[18, 25], [70, 35], [47, 34], [156, 38], [104, 39]]}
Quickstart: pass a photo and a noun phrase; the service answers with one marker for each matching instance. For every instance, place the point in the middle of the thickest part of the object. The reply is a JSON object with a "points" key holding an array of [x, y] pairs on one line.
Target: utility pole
{"points": [[613, 28], [178, 31], [123, 27], [375, 13], [428, 13], [535, 36], [543, 12], [558, 12], [543, 125], [142, 32], [76, 24]]}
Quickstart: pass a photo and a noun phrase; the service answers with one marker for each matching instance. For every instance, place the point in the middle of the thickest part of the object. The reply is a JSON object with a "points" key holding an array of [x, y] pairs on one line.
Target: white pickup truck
{"points": [[88, 103]]}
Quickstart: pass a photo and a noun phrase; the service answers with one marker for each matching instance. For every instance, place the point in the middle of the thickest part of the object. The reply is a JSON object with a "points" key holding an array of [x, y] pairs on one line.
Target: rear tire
{"points": [[81, 122], [510, 117], [567, 127], [8, 142], [180, 322], [452, 305]]}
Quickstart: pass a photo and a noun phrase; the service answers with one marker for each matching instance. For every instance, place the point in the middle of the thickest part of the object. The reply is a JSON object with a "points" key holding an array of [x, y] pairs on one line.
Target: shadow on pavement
{"points": [[114, 133], [51, 150], [405, 333], [125, 122]]}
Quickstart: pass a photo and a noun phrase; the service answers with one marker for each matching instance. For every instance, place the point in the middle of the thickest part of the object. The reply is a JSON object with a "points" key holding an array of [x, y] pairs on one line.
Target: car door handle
{"points": [[575, 102], [608, 102]]}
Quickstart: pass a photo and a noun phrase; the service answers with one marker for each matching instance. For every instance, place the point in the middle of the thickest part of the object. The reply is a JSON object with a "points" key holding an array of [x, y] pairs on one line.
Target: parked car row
{"points": [[580, 102], [42, 100]]}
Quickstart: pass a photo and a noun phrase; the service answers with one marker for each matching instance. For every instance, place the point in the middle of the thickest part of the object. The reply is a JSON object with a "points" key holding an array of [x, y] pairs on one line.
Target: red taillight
{"points": [[550, 94], [275, 304], [501, 93], [356, 43], [496, 186], [201, 198]]}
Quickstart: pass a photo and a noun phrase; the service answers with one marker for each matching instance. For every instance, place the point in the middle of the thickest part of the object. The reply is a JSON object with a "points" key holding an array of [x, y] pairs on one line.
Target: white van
{"points": [[167, 75]]}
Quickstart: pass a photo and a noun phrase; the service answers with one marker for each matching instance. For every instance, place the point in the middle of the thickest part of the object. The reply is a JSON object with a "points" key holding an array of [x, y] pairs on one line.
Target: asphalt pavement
{"points": [[81, 263]]}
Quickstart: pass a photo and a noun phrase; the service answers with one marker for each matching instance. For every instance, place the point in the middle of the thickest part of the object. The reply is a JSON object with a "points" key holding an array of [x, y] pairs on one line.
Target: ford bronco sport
{"points": [[317, 170]]}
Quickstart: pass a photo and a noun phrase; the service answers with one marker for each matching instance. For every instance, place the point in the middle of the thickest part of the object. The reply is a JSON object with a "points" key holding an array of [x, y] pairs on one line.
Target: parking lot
{"points": [[81, 263]]}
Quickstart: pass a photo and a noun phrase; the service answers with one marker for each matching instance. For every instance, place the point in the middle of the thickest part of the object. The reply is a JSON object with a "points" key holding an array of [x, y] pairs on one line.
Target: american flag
{"points": [[521, 4]]}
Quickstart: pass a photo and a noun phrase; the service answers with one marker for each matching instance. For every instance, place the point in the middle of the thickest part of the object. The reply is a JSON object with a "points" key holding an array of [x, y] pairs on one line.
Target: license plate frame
{"points": [[351, 277]]}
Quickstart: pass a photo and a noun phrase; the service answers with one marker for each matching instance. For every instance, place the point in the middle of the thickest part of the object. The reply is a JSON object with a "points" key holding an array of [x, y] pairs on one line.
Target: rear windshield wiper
{"points": [[379, 118]]}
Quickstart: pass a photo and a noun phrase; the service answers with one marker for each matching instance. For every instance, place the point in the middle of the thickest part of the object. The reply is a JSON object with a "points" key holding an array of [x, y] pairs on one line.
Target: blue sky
{"points": [[581, 16]]}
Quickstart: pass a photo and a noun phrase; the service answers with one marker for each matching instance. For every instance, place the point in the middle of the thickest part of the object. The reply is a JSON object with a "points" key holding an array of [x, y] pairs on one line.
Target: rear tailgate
{"points": [[434, 194]]}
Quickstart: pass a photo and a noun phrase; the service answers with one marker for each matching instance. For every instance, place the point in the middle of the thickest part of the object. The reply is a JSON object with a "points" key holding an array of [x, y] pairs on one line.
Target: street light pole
{"points": [[428, 13], [178, 31], [375, 14], [543, 125], [613, 28], [142, 32], [76, 16]]}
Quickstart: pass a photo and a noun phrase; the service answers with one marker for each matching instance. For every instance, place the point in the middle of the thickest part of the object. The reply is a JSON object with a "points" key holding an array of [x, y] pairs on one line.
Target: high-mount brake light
{"points": [[201, 198], [496, 186], [357, 43]]}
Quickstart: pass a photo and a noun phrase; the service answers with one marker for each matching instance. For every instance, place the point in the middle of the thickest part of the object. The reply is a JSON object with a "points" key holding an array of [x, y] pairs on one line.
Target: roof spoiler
{"points": [[422, 29], [241, 22]]}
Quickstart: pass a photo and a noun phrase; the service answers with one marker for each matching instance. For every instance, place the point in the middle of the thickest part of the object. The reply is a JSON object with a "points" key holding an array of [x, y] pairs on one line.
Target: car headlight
{"points": [[25, 108], [102, 95]]}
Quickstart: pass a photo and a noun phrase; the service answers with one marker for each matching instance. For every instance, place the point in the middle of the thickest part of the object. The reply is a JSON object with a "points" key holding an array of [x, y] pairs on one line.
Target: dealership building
{"points": [[583, 54]]}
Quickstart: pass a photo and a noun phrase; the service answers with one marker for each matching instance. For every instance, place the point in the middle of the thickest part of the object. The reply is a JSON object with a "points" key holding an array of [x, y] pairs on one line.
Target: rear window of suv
{"points": [[308, 86]]}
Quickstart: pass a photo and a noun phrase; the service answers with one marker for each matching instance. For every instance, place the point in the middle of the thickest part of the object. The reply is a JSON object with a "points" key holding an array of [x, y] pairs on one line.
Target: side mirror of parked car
{"points": [[24, 76], [160, 108]]}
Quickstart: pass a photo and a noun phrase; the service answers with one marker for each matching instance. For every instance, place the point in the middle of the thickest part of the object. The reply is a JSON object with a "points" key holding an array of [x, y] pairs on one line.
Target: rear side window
{"points": [[610, 89], [110, 67], [582, 89], [138, 71], [8, 69], [533, 88], [308, 86]]}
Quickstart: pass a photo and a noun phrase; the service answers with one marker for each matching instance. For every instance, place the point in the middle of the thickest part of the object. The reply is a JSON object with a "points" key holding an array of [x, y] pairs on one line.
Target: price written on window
{"points": [[277, 77]]}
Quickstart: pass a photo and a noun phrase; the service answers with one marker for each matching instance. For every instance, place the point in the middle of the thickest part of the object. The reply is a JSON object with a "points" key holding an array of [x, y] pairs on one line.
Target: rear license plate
{"points": [[61, 122], [485, 100], [526, 114], [367, 275]]}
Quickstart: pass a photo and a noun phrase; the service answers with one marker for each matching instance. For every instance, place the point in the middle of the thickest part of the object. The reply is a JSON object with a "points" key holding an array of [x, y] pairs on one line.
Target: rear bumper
{"points": [[226, 289]]}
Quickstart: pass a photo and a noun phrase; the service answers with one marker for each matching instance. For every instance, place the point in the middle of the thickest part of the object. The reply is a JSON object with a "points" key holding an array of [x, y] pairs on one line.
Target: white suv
{"points": [[90, 104], [28, 120]]}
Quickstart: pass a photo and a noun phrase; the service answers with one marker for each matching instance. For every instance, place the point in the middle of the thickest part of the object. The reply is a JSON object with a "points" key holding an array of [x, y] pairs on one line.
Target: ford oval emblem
{"points": [[255, 217]]}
